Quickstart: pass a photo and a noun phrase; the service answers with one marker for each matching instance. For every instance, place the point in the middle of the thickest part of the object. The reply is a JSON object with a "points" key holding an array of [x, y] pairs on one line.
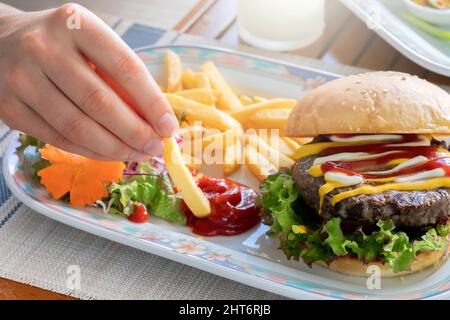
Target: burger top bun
{"points": [[375, 102]]}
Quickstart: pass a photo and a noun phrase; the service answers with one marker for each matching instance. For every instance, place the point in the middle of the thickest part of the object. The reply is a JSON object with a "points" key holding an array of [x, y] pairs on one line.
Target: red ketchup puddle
{"points": [[233, 208]]}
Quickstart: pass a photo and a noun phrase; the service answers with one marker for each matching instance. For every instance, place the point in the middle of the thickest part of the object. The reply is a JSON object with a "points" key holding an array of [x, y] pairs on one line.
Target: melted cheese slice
{"points": [[368, 189], [327, 188]]}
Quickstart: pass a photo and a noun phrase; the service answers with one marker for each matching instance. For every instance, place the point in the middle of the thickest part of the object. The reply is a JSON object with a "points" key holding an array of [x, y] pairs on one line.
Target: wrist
{"points": [[6, 11], [7, 18]]}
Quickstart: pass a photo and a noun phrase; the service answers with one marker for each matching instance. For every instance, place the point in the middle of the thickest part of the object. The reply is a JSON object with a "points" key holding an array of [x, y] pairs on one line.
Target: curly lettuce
{"points": [[152, 189], [326, 241]]}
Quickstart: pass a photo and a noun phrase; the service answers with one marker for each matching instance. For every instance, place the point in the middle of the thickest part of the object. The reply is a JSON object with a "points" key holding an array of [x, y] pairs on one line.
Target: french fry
{"points": [[182, 178], [260, 166], [192, 162], [278, 159], [292, 144], [228, 100], [210, 117], [191, 132], [202, 81], [302, 141], [270, 118], [188, 79], [204, 96], [174, 71], [257, 99], [279, 143], [232, 158], [246, 100], [220, 139], [243, 114]]}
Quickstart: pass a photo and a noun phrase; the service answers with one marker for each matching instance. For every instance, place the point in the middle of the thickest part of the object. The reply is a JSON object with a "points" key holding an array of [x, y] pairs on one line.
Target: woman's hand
{"points": [[49, 89]]}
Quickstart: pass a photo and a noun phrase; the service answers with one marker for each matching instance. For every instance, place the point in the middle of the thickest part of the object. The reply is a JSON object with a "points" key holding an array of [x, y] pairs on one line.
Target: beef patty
{"points": [[405, 208]]}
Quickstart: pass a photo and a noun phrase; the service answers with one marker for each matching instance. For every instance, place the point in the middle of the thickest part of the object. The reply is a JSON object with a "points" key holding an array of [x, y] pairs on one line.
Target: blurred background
{"points": [[333, 33]]}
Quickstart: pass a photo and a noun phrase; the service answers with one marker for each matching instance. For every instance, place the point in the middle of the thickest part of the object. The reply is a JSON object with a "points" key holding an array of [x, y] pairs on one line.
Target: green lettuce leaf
{"points": [[431, 241], [154, 191], [443, 229], [336, 239], [278, 196]]}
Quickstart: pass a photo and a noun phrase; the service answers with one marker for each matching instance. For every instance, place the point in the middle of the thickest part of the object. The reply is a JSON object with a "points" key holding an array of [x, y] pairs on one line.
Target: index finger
{"points": [[123, 67]]}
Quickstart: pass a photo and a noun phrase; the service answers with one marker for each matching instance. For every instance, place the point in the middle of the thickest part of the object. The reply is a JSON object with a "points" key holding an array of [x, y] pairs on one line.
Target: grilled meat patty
{"points": [[405, 208]]}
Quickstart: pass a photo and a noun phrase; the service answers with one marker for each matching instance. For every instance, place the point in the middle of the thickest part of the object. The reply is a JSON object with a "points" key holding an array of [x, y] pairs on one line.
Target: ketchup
{"points": [[140, 214], [233, 208], [358, 167]]}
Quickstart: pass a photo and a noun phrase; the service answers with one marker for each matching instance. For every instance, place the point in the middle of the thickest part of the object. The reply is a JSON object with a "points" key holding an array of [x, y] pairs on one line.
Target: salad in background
{"points": [[436, 4], [431, 16]]}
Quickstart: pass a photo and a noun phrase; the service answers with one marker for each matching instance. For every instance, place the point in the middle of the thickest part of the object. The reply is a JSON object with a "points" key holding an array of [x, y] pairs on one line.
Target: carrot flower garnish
{"points": [[83, 179]]}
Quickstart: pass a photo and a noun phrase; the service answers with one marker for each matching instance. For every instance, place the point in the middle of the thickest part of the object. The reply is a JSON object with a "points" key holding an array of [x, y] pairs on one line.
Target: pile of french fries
{"points": [[237, 129]]}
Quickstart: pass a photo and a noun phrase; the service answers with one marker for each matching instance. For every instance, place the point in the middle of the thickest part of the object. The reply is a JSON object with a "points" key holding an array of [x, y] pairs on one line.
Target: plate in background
{"points": [[250, 258], [385, 18]]}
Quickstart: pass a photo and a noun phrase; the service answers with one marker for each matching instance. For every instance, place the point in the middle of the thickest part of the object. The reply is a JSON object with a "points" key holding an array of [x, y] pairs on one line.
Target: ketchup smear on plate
{"points": [[233, 208]]}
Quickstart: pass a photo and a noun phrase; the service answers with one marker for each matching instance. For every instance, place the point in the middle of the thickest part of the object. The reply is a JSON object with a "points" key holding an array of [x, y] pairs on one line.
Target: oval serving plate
{"points": [[251, 258]]}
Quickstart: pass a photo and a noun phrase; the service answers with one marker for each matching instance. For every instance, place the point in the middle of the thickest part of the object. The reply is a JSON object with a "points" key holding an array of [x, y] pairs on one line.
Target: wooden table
{"points": [[346, 40]]}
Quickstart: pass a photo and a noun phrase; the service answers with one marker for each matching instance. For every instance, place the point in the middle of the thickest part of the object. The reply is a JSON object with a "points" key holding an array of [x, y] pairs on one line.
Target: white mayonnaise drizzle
{"points": [[351, 156], [435, 173], [423, 141], [408, 163], [342, 178], [369, 137]]}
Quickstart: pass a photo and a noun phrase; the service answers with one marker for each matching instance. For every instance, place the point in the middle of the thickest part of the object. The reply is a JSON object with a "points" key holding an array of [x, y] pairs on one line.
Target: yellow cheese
{"points": [[315, 171], [368, 189], [396, 162], [182, 178], [299, 229], [327, 188], [315, 148]]}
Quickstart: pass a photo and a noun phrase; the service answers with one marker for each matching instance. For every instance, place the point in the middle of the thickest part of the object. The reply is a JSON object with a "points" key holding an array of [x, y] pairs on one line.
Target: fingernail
{"points": [[138, 156], [167, 124], [154, 147]]}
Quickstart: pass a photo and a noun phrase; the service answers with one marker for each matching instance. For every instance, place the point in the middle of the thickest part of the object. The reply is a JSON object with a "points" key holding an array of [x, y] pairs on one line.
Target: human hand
{"points": [[48, 88]]}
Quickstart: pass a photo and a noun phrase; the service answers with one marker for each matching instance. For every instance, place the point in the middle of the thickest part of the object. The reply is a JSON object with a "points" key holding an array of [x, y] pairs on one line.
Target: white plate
{"points": [[251, 258], [385, 18]]}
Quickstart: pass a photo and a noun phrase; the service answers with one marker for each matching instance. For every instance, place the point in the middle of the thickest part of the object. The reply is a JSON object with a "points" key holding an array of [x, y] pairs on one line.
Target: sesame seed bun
{"points": [[372, 103]]}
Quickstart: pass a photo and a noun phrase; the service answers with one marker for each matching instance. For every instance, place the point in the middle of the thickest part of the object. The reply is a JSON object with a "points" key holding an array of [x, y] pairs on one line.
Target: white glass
{"points": [[281, 25]]}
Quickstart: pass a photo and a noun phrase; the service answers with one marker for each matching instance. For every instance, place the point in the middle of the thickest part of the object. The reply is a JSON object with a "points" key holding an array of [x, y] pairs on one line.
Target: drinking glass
{"points": [[281, 25]]}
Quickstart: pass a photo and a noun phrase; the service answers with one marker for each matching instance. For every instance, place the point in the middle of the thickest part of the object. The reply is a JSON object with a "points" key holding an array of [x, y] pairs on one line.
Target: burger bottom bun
{"points": [[355, 267]]}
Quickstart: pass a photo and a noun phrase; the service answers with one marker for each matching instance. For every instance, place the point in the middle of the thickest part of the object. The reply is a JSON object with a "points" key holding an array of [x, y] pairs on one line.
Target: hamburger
{"points": [[373, 185]]}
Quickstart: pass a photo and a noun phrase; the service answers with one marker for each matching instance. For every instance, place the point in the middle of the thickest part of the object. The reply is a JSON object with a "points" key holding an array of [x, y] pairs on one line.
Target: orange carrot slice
{"points": [[84, 179]]}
